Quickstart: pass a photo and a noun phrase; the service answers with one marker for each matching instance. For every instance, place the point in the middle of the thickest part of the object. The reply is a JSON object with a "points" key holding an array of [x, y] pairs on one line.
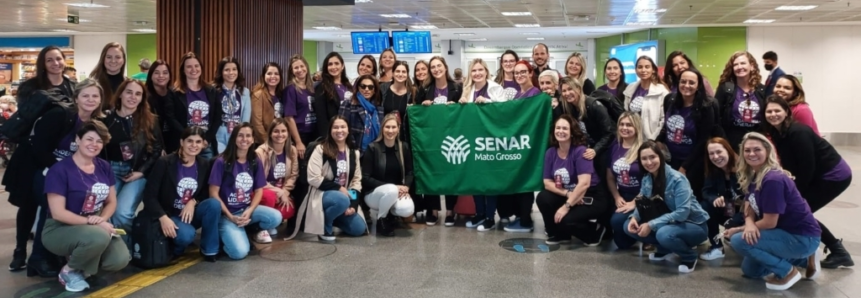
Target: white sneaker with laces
{"points": [[713, 254], [263, 237]]}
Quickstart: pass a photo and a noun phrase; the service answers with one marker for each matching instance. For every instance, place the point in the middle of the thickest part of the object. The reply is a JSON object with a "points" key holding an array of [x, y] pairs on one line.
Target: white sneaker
{"points": [[273, 232], [263, 237], [712, 254]]}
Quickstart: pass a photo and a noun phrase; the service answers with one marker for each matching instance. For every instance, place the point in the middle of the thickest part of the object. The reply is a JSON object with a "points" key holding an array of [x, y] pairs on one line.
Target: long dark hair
{"points": [[421, 84], [701, 98], [41, 77], [150, 85], [382, 69], [500, 73], [181, 82], [291, 77], [376, 100], [655, 79], [262, 86], [659, 181], [229, 154], [797, 90], [431, 78], [287, 144], [670, 77], [143, 120], [219, 76], [621, 71], [328, 82], [577, 136], [100, 72], [770, 129], [330, 148], [188, 132], [411, 90]]}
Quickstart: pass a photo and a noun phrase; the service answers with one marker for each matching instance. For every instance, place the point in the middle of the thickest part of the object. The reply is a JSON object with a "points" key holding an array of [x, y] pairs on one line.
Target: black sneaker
{"points": [[488, 225], [475, 221], [553, 240], [326, 237], [600, 237], [19, 260], [431, 219], [449, 221], [687, 267]]}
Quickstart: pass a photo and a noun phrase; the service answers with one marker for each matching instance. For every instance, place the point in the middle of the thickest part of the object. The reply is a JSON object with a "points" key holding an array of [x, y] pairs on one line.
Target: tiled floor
{"points": [[443, 261]]}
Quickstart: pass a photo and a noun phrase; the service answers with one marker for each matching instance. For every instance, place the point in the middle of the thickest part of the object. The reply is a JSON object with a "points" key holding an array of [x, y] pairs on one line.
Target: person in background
{"points": [[789, 88], [280, 162], [387, 65], [82, 199], [740, 97], [458, 76], [614, 74], [175, 193], [110, 70], [646, 97], [235, 100], [769, 59], [265, 101], [237, 181], [71, 73], [505, 73], [363, 111], [540, 55], [161, 98], [678, 62], [387, 174], [196, 103], [333, 89], [720, 191], [477, 88], [623, 175], [572, 198], [779, 232], [298, 96], [575, 67], [335, 178], [684, 227], [318, 76], [144, 65], [821, 174]]}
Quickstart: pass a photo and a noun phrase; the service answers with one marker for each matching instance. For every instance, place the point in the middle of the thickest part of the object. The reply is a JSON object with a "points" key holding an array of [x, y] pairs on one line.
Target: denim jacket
{"points": [[715, 186], [679, 198]]}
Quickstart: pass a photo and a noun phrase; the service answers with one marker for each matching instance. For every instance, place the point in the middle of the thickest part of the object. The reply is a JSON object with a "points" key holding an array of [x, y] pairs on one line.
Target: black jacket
{"points": [[143, 159], [599, 126], [715, 186], [160, 191], [725, 96], [454, 91], [162, 106], [180, 120], [588, 87], [805, 154], [374, 166], [325, 108], [704, 120]]}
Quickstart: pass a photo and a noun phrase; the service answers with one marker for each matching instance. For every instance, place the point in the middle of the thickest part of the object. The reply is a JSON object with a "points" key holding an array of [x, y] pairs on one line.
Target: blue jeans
{"points": [[222, 137], [206, 216], [335, 204], [235, 239], [485, 205], [620, 237], [128, 197], [675, 238], [776, 252]]}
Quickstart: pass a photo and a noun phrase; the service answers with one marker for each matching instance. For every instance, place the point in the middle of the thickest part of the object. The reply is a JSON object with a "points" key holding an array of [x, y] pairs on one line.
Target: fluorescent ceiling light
{"points": [[464, 34], [342, 35], [516, 13], [640, 23], [145, 30], [650, 10], [327, 28], [423, 27], [535, 38], [86, 5], [527, 25], [758, 21], [796, 7], [529, 33], [396, 16], [64, 30], [363, 1], [477, 39]]}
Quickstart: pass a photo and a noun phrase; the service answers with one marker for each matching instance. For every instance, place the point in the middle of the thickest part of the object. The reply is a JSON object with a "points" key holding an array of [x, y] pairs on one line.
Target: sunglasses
{"points": [[366, 87]]}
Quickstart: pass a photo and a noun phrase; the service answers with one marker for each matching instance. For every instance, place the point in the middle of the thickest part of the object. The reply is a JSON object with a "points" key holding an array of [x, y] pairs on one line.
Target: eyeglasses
{"points": [[366, 87], [521, 73]]}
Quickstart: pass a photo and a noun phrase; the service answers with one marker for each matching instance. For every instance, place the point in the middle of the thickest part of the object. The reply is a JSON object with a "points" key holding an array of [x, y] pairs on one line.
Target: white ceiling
{"points": [[559, 19]]}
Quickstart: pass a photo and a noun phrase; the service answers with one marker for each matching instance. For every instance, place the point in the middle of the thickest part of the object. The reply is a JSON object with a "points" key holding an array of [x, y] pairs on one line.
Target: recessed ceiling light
{"points": [[79, 20], [464, 34], [758, 21], [796, 7], [516, 13], [650, 10], [477, 39], [527, 25], [640, 23], [86, 5], [396, 16], [535, 38], [145, 30], [423, 27], [327, 28], [529, 33], [64, 30]]}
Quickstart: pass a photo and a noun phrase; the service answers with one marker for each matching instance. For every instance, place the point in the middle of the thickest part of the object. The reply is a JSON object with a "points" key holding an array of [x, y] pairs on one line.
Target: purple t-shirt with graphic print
{"points": [[480, 92], [341, 175], [278, 171], [510, 88], [85, 193], [565, 171], [528, 93], [627, 174], [636, 104], [67, 146], [745, 114], [838, 173], [681, 132], [186, 185], [440, 96], [237, 191], [297, 104], [343, 92], [604, 87], [778, 195], [198, 108]]}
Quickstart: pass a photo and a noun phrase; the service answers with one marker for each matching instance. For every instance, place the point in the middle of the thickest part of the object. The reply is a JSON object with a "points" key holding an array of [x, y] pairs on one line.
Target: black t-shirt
{"points": [[394, 102], [393, 167], [121, 132], [115, 81]]}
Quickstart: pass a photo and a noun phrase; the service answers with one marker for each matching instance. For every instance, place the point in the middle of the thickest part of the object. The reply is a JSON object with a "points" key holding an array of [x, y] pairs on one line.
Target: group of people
{"points": [[303, 155]]}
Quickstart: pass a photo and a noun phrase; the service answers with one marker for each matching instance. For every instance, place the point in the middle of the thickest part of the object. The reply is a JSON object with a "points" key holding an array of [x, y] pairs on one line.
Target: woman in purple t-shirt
{"points": [[298, 96], [741, 97], [623, 175], [197, 103], [614, 74], [780, 232], [505, 73], [280, 163], [572, 197], [525, 80], [237, 180], [82, 199]]}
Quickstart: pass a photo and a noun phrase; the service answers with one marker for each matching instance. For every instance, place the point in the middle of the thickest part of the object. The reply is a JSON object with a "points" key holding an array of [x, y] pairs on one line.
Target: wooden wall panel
{"points": [[217, 34], [174, 31], [267, 31]]}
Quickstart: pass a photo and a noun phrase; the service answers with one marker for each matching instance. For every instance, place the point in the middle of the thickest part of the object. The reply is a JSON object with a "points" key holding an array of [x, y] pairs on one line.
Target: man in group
{"points": [[71, 73], [770, 61], [540, 55], [144, 65]]}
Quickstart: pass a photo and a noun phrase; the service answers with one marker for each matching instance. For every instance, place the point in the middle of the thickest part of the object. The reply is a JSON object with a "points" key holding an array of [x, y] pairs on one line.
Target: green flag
{"points": [[480, 149]]}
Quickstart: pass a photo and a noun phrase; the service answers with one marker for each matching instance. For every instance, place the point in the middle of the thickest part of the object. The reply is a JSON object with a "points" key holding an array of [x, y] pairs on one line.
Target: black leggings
{"points": [[819, 194], [24, 223], [432, 202], [577, 222], [519, 204]]}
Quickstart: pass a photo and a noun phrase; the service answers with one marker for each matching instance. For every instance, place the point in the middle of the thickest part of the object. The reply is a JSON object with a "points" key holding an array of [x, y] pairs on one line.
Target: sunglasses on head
{"points": [[366, 87]]}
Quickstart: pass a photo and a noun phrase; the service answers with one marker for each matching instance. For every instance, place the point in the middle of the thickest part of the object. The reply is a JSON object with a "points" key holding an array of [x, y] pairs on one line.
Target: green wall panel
{"points": [[139, 46], [716, 45], [309, 51]]}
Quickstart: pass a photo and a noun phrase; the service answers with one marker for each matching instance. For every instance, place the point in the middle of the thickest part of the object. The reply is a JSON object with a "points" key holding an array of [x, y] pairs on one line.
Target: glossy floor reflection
{"points": [[441, 261]]}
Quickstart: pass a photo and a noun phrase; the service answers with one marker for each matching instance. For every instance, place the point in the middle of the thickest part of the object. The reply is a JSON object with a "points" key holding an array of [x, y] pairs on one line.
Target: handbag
{"points": [[151, 249], [651, 207]]}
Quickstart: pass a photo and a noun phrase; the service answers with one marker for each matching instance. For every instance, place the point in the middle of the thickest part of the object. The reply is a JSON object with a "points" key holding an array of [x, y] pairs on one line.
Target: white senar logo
{"points": [[455, 150]]}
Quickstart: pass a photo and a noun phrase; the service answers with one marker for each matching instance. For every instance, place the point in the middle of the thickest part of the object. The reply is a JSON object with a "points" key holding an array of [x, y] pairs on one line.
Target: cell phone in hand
{"points": [[120, 232], [588, 200]]}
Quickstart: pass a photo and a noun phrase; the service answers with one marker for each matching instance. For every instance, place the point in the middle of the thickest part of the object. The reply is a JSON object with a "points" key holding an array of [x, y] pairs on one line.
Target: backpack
{"points": [[614, 109], [150, 248], [20, 125]]}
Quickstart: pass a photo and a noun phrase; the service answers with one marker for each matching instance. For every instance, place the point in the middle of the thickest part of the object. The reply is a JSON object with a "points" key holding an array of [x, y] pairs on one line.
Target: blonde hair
{"points": [[631, 155], [581, 102], [746, 173], [468, 84], [387, 118], [8, 99], [581, 77]]}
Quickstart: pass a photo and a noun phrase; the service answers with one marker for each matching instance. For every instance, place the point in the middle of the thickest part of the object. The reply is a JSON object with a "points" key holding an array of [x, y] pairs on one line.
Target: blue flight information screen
{"points": [[370, 42], [412, 42]]}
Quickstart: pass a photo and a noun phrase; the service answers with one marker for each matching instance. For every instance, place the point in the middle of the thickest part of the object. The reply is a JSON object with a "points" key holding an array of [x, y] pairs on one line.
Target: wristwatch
{"points": [[568, 205]]}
